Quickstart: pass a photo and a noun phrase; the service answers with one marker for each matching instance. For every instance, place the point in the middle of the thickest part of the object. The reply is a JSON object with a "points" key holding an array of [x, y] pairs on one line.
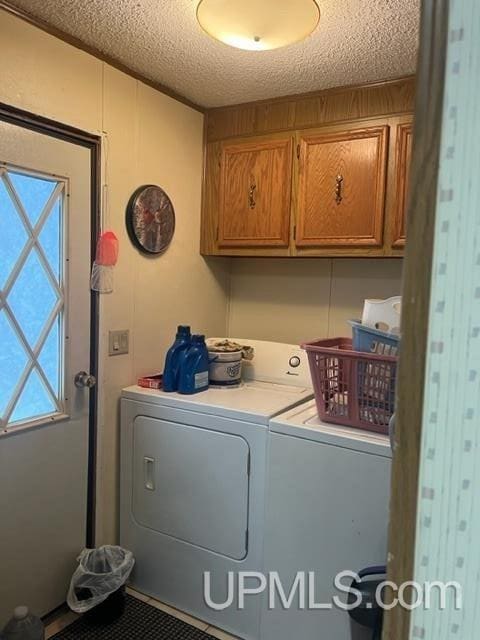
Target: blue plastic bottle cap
{"points": [[183, 328], [20, 613]]}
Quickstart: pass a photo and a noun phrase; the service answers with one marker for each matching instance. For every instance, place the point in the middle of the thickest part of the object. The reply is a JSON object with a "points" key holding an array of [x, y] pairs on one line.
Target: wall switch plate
{"points": [[118, 342]]}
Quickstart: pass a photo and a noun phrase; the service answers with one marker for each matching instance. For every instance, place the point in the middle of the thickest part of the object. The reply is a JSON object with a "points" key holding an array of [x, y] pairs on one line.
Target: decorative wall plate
{"points": [[150, 219]]}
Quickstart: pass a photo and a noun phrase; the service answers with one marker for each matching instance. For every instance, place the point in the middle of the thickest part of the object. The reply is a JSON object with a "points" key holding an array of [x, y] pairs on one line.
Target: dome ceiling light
{"points": [[258, 25]]}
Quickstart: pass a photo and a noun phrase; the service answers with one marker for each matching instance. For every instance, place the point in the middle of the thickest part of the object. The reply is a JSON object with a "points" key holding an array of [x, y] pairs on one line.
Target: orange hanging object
{"points": [[107, 249], [106, 257]]}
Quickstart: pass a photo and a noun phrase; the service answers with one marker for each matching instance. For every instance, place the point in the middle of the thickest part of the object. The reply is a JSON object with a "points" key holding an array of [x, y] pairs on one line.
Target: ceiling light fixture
{"points": [[258, 25]]}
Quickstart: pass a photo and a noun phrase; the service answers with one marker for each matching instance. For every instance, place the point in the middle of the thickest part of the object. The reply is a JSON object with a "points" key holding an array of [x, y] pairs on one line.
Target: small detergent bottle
{"points": [[173, 359], [194, 367], [24, 626]]}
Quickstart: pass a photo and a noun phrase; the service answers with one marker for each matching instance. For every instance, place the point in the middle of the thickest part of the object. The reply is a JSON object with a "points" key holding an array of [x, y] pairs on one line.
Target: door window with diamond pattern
{"points": [[32, 298]]}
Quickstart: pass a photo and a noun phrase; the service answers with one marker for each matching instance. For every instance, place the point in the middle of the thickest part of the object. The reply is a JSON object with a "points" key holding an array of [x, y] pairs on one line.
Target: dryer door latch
{"points": [[149, 473]]}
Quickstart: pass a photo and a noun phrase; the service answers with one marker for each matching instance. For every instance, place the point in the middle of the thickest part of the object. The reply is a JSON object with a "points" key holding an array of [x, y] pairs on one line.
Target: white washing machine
{"points": [[326, 512], [193, 483]]}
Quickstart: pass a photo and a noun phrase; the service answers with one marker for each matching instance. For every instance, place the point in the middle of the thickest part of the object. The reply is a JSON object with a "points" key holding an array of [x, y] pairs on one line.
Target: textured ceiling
{"points": [[356, 41]]}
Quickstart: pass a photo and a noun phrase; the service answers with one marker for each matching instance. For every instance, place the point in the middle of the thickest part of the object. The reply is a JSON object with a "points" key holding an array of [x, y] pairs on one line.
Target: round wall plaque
{"points": [[150, 219]]}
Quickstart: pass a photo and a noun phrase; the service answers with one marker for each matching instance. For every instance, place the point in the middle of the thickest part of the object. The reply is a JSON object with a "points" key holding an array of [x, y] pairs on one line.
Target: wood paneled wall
{"points": [[311, 110]]}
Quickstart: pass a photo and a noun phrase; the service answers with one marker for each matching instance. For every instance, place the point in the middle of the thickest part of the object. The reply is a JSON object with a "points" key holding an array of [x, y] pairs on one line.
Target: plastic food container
{"points": [[352, 388], [383, 314], [225, 368], [373, 340]]}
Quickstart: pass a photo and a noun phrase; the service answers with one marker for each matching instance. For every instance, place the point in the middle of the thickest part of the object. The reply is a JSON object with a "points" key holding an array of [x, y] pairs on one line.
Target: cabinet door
{"points": [[402, 176], [341, 190], [255, 190]]}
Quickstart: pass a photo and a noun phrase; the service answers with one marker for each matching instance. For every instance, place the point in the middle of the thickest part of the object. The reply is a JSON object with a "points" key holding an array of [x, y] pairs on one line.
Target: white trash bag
{"points": [[100, 573]]}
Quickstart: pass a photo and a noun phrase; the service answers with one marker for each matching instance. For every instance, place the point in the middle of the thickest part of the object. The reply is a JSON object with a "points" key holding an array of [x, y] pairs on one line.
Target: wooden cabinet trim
{"points": [[404, 132], [327, 134], [292, 113], [381, 132], [239, 146]]}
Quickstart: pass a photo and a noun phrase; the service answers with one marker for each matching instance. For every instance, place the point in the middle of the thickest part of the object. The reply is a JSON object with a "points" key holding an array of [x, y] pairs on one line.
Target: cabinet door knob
{"points": [[251, 196], [338, 188]]}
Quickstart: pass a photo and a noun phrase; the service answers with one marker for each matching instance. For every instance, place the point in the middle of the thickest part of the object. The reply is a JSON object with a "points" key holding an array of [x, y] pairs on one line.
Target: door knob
{"points": [[84, 379]]}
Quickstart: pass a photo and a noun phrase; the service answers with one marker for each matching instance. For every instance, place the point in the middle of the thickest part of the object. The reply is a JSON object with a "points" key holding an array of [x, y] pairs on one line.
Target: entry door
{"points": [[44, 341]]}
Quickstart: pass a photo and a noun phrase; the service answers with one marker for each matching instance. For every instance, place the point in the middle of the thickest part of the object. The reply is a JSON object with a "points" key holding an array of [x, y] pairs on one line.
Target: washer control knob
{"points": [[294, 362]]}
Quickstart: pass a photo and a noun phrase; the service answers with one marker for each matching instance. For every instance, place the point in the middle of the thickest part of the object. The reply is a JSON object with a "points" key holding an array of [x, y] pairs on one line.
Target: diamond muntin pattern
{"points": [[33, 193], [13, 360], [31, 296], [12, 232]]}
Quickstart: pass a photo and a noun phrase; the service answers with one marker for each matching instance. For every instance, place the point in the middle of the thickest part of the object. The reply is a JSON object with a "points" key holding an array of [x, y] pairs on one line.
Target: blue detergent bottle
{"points": [[194, 367], [174, 357]]}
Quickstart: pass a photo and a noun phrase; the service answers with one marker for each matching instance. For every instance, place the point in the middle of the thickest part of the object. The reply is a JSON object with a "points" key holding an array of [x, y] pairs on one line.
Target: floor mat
{"points": [[139, 622]]}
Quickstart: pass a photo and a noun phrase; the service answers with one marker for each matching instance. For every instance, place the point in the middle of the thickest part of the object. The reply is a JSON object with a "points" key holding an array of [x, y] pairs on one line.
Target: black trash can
{"points": [[97, 588], [368, 612], [109, 610]]}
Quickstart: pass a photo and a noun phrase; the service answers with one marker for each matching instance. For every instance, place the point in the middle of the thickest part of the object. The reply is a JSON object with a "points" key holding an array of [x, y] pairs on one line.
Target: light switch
{"points": [[118, 342]]}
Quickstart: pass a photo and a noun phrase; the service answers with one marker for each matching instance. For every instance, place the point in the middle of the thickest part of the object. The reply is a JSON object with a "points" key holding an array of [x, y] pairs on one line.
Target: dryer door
{"points": [[192, 484]]}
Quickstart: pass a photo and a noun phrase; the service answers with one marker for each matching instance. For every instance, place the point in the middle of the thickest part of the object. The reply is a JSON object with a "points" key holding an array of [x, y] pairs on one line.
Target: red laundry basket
{"points": [[352, 388]]}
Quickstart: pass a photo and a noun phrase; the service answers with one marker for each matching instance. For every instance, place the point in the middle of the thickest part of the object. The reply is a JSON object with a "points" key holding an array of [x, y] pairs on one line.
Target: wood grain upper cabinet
{"points": [[402, 171], [341, 187], [255, 193]]}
